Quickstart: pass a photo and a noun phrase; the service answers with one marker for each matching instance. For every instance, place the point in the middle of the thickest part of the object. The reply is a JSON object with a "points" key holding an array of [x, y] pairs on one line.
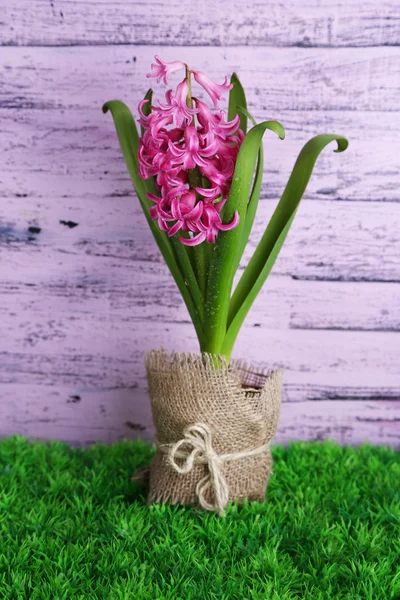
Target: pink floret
{"points": [[180, 140]]}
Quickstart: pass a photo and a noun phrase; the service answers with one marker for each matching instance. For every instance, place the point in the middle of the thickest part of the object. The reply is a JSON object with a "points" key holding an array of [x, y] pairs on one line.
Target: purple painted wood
{"points": [[66, 146], [84, 291], [231, 23]]}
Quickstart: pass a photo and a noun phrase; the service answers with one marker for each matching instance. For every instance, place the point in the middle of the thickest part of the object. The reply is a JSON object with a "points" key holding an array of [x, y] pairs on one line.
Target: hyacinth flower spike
{"points": [[197, 172]]}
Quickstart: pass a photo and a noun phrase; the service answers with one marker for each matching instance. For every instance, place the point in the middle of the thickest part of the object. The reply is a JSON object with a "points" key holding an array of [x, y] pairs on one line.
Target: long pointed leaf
{"points": [[254, 198], [237, 98], [268, 249], [181, 255], [237, 321], [251, 208], [147, 107], [224, 253], [129, 142]]}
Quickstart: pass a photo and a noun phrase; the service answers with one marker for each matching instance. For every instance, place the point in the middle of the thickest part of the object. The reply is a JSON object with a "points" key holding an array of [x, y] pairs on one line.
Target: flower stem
{"points": [[182, 258], [189, 82], [200, 266], [199, 252], [189, 100], [195, 181]]}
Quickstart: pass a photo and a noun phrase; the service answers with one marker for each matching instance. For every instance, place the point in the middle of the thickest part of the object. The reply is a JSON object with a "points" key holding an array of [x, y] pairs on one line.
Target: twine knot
{"points": [[199, 438]]}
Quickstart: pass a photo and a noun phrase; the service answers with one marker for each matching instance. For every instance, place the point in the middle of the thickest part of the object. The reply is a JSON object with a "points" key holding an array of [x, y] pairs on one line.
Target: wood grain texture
{"points": [[62, 153], [105, 351], [274, 78], [336, 241], [102, 391], [83, 289], [229, 23], [136, 291], [107, 415], [83, 398]]}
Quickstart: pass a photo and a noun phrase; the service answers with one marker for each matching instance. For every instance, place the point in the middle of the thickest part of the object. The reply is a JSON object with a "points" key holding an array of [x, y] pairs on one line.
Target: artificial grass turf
{"points": [[73, 525]]}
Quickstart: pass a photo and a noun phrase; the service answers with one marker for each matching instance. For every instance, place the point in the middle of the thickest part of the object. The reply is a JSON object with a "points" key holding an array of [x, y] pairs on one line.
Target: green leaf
{"points": [[180, 252], [147, 107], [254, 198], [251, 209], [237, 98], [129, 142], [268, 249], [224, 253], [198, 254]]}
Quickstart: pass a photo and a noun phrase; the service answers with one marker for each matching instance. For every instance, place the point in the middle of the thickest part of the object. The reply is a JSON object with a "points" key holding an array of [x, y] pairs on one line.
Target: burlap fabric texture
{"points": [[203, 418]]}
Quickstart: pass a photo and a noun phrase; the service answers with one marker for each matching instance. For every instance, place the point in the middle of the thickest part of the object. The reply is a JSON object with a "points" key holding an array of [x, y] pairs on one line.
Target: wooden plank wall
{"points": [[83, 290]]}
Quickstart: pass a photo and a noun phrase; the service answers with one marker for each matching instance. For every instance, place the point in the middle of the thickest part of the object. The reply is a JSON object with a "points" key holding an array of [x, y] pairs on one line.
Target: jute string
{"points": [[199, 438]]}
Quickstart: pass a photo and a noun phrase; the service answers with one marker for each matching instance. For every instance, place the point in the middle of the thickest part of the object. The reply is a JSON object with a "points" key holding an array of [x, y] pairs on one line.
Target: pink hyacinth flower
{"points": [[209, 194], [176, 106], [215, 123], [209, 226], [162, 70], [214, 90], [185, 210], [191, 154]]}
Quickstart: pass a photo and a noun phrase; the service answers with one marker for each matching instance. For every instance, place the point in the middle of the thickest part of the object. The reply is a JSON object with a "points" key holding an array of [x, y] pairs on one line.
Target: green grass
{"points": [[74, 526]]}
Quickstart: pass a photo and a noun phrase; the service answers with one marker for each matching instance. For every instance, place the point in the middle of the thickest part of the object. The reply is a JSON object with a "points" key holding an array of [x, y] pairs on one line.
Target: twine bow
{"points": [[199, 437]]}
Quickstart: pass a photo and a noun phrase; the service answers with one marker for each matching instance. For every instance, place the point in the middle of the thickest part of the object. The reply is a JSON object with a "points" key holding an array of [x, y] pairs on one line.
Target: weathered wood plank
{"points": [[108, 415], [346, 422], [106, 352], [136, 292], [289, 23], [55, 154], [285, 79], [74, 321], [55, 355], [356, 241]]}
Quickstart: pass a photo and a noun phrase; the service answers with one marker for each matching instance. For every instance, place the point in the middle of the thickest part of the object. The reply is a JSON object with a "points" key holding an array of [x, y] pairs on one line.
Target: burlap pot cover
{"points": [[205, 419]]}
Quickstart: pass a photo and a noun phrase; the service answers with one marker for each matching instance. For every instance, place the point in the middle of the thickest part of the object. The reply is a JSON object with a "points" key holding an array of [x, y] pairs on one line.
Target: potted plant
{"points": [[197, 172]]}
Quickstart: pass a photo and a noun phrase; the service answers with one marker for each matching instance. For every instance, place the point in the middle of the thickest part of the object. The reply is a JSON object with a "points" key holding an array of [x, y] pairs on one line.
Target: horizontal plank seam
{"points": [[96, 108], [321, 198], [352, 329], [32, 106], [202, 45], [316, 197], [342, 279]]}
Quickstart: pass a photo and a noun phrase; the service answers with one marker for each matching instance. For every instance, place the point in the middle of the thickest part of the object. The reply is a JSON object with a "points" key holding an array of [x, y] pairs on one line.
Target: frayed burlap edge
{"points": [[249, 388], [248, 375]]}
